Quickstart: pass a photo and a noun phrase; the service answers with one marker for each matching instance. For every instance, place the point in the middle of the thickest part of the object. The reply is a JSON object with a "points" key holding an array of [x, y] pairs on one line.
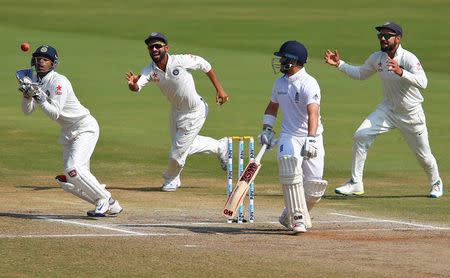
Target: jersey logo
{"points": [[58, 90], [380, 67], [155, 77], [419, 66], [297, 97], [316, 97], [175, 72]]}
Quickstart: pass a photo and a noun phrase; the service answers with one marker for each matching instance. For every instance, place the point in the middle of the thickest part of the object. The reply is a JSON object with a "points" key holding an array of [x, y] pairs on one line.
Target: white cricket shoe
{"points": [[171, 185], [223, 153], [114, 208], [437, 189], [284, 219], [102, 206], [299, 228], [350, 188]]}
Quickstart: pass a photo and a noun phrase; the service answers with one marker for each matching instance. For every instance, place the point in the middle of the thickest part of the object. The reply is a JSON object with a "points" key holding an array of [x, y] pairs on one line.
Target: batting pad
{"points": [[314, 191], [83, 179], [294, 200], [68, 187], [289, 170]]}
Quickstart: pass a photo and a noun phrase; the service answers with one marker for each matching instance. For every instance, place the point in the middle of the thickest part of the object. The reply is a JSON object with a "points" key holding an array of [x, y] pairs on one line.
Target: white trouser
{"points": [[78, 150], [184, 129], [414, 130], [292, 145]]}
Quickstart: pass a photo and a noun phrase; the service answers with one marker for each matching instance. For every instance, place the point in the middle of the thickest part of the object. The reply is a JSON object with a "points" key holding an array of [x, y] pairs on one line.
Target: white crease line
{"points": [[90, 225], [391, 221], [86, 235]]}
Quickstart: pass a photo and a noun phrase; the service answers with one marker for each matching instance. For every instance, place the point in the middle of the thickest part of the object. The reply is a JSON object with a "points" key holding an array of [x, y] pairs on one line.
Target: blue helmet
{"points": [[45, 51], [293, 50]]}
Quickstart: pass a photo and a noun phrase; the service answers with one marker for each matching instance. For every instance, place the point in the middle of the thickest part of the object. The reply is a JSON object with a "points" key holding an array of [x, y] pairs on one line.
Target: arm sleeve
{"points": [[313, 94], [55, 102], [145, 77], [274, 96], [359, 72], [414, 73], [28, 105], [194, 62]]}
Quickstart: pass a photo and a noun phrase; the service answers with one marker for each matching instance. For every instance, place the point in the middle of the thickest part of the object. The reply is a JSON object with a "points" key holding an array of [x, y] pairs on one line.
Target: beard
{"points": [[159, 53], [389, 47]]}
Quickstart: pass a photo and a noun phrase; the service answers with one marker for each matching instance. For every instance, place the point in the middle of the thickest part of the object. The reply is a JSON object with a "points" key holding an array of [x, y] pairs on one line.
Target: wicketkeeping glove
{"points": [[267, 137], [309, 149], [39, 95]]}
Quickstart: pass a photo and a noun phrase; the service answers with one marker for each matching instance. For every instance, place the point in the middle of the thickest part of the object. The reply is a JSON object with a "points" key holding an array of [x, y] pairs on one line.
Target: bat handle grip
{"points": [[261, 153]]}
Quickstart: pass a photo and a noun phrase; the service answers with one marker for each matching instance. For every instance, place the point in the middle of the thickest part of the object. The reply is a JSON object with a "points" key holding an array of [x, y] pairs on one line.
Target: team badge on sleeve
{"points": [[58, 90]]}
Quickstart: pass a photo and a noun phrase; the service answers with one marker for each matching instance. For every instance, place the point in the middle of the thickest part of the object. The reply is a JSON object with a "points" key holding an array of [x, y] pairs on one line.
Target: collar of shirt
{"points": [[46, 77], [169, 62], [296, 75], [399, 51]]}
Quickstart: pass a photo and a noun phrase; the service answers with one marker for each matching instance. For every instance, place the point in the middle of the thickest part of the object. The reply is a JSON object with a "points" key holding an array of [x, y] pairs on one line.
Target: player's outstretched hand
{"points": [[132, 80], [332, 58], [221, 97]]}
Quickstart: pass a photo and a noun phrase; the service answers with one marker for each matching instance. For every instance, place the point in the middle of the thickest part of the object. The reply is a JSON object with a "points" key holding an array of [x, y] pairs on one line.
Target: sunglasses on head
{"points": [[386, 36], [156, 45]]}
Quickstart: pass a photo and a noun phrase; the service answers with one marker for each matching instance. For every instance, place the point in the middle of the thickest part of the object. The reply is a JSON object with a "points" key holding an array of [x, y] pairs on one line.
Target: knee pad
{"points": [[314, 190], [290, 170], [84, 180]]}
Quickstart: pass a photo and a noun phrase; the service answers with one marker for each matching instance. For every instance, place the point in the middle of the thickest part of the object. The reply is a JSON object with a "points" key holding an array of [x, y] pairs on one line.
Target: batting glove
{"points": [[309, 149], [267, 137]]}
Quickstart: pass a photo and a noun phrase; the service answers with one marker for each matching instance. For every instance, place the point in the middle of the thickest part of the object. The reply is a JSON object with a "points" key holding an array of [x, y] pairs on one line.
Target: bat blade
{"points": [[240, 189]]}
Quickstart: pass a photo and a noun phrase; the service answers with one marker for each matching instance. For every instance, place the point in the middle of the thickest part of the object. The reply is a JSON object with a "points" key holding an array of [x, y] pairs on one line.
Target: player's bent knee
{"points": [[360, 136], [314, 190], [290, 171]]}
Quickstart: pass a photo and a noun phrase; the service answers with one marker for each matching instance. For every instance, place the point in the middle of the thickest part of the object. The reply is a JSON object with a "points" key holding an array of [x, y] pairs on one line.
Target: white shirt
{"points": [[62, 105], [293, 94], [177, 83], [401, 93]]}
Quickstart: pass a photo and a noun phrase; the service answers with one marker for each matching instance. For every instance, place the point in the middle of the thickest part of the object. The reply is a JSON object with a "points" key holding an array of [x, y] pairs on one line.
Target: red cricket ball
{"points": [[25, 46]]}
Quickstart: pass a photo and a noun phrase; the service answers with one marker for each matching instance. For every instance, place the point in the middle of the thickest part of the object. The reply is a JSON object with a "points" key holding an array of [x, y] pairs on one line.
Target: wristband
{"points": [[269, 120]]}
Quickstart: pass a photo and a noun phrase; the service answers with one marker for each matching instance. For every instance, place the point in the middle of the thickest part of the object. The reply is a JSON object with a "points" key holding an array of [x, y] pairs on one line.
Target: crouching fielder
{"points": [[300, 145], [53, 93]]}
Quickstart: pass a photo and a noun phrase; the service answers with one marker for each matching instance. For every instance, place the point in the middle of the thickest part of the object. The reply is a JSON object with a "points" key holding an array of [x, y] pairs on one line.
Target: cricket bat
{"points": [[242, 186]]}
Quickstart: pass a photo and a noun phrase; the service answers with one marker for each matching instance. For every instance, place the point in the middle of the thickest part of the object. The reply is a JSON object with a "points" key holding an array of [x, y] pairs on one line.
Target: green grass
{"points": [[99, 41]]}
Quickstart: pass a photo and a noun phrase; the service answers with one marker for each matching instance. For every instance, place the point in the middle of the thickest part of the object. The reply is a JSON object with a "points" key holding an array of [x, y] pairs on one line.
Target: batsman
{"points": [[54, 95], [300, 144]]}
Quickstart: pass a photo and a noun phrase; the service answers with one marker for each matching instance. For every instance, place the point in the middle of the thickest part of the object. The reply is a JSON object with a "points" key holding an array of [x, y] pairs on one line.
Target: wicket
{"points": [[251, 157]]}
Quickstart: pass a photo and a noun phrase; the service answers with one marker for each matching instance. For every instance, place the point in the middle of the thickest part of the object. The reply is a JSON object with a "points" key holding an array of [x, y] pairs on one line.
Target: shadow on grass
{"points": [[38, 187], [214, 230], [44, 216], [339, 197]]}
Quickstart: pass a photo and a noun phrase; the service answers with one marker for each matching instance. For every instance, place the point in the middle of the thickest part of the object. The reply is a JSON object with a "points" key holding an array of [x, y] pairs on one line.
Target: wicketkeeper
{"points": [[402, 76], [53, 93], [300, 144]]}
